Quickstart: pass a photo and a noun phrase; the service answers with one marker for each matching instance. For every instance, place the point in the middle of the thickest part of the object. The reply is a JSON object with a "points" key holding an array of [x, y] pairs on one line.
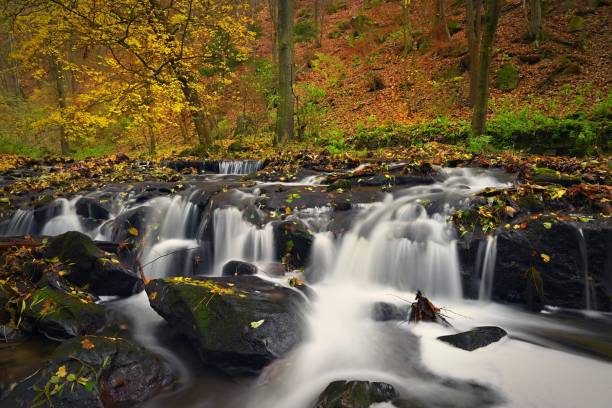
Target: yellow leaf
{"points": [[257, 323], [133, 231], [61, 371], [153, 296], [545, 258]]}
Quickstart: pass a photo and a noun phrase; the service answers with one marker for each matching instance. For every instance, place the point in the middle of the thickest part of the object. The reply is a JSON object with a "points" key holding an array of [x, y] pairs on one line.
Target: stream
{"points": [[391, 245]]}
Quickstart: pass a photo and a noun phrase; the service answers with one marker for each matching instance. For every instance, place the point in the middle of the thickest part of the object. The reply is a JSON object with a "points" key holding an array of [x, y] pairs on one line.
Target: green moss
{"points": [[507, 77], [575, 24]]}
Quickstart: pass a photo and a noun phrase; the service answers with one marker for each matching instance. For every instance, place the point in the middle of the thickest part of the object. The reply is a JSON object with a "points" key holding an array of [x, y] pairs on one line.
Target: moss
{"points": [[507, 77], [575, 24], [340, 185]]}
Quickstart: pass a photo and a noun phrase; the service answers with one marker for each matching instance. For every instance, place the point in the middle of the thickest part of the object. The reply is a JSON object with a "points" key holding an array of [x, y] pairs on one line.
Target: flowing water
{"points": [[394, 248]]}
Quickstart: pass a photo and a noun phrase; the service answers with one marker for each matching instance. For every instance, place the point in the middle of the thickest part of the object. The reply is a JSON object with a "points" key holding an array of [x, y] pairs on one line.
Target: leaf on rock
{"points": [[256, 324]]}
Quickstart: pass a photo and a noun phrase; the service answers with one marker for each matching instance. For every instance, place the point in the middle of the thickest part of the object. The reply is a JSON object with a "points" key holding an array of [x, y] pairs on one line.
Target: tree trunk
{"points": [[198, 117], [533, 9], [183, 127], [284, 117], [60, 87], [406, 29], [492, 12], [440, 26], [473, 17], [273, 9]]}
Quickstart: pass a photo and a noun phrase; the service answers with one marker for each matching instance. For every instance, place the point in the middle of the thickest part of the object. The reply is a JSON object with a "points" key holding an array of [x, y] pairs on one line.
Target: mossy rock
{"points": [[60, 315], [343, 184], [355, 394], [575, 24], [237, 324], [507, 78], [88, 266], [93, 371], [546, 175]]}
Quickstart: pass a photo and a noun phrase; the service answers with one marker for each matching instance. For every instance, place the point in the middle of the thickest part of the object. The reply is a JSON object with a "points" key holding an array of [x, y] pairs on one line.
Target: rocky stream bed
{"points": [[290, 283]]}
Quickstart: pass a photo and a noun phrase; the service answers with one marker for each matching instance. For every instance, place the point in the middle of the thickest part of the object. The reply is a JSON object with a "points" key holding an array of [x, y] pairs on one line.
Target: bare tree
{"points": [[533, 14]]}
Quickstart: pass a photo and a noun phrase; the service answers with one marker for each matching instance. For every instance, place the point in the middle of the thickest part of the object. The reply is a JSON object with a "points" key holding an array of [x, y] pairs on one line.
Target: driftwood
{"points": [[423, 310]]}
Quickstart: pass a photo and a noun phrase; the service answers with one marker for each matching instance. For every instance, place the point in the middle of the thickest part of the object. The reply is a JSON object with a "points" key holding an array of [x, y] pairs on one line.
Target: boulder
{"points": [[540, 266], [237, 324], [118, 229], [101, 272], [93, 207], [60, 315], [476, 338], [383, 312], [292, 241], [238, 268], [93, 371], [355, 394], [507, 78]]}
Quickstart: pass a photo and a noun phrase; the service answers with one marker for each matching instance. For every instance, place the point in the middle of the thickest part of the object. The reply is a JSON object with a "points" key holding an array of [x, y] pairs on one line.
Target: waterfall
{"points": [[488, 269], [393, 248], [22, 223], [235, 238], [239, 166], [67, 220], [588, 289]]}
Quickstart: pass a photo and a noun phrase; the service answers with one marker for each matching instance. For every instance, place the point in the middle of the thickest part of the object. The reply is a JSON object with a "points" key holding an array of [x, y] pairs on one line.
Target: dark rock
{"points": [[292, 241], [94, 371], [238, 268], [476, 338], [341, 205], [539, 266], [530, 59], [90, 207], [118, 229], [355, 394], [383, 312], [237, 324], [60, 315], [89, 266]]}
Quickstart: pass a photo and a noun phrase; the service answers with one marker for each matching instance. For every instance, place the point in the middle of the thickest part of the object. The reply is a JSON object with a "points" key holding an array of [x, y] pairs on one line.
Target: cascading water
{"points": [[588, 289], [393, 249], [67, 220], [22, 223], [239, 166], [488, 269], [237, 239]]}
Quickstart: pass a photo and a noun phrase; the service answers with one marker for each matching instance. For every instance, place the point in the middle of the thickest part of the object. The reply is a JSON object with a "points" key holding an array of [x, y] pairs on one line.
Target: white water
{"points": [[239, 166], [67, 220], [236, 238], [585, 266], [394, 248], [488, 269]]}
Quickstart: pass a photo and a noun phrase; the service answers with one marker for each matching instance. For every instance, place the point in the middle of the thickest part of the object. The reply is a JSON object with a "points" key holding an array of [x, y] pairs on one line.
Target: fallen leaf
{"points": [[257, 323], [545, 258], [87, 344]]}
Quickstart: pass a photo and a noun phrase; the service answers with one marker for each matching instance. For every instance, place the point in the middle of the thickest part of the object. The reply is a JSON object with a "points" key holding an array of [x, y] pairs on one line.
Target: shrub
{"points": [[305, 30]]}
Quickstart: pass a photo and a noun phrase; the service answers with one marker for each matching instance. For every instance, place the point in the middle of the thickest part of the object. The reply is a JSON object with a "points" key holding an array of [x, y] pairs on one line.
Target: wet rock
{"points": [[238, 268], [541, 266], [60, 315], [383, 312], [118, 229], [89, 266], [475, 338], [355, 394], [237, 324], [93, 207], [94, 371], [293, 242]]}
